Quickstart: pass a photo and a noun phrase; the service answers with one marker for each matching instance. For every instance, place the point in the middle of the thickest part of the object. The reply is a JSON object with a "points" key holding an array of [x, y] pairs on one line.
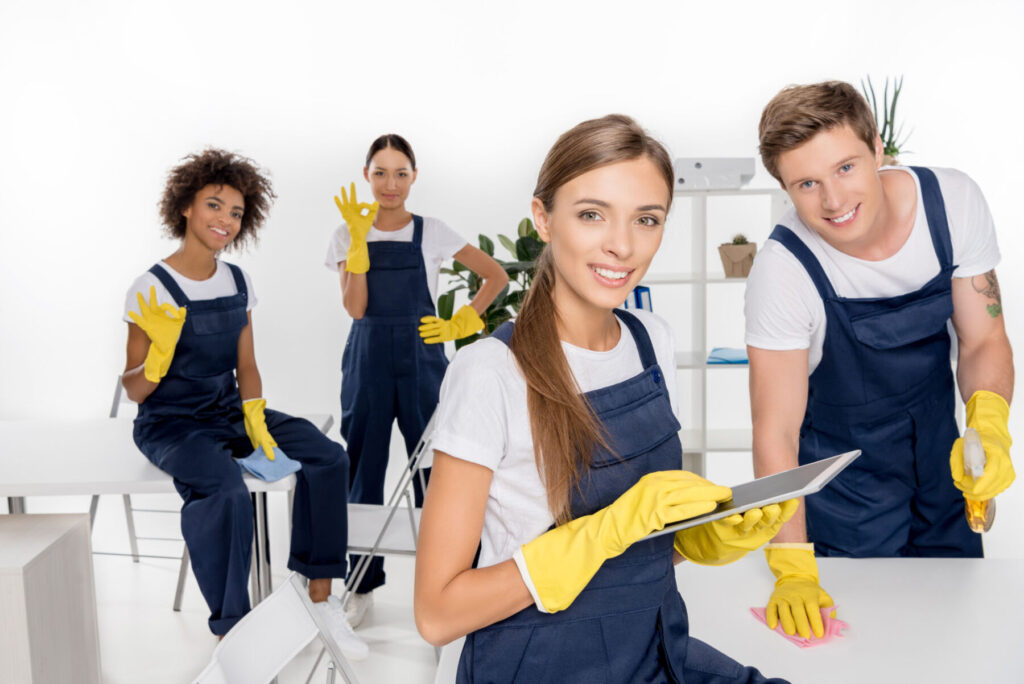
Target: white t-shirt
{"points": [[220, 284], [783, 308], [439, 243], [482, 418]]}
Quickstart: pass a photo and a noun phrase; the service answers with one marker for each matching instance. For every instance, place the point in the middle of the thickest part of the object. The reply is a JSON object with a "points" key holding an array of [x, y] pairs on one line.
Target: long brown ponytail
{"points": [[564, 427]]}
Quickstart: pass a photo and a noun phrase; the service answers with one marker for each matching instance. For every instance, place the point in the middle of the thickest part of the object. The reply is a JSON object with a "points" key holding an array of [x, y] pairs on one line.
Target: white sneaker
{"points": [[333, 613], [357, 606]]}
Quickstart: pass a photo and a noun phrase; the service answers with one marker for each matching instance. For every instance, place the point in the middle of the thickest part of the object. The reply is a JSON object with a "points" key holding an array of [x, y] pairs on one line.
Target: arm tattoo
{"points": [[987, 285]]}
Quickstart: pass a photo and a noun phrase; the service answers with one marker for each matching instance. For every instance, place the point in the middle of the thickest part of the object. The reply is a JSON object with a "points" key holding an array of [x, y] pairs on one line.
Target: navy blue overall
{"points": [[192, 428], [387, 372], [885, 386], [629, 625]]}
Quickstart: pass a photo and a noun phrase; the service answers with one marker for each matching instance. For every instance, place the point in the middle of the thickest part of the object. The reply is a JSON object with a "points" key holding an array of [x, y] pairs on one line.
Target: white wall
{"points": [[100, 99]]}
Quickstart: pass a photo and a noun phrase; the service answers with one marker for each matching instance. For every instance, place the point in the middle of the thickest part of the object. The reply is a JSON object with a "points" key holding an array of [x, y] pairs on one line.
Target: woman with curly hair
{"points": [[192, 370]]}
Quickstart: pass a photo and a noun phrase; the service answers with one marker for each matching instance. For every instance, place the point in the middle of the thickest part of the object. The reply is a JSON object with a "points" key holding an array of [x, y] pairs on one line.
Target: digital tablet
{"points": [[789, 484]]}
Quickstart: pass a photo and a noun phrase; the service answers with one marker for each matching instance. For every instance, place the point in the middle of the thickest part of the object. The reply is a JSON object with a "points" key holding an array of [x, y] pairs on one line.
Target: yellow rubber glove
{"points": [[464, 323], [162, 323], [723, 541], [562, 561], [256, 426], [357, 260], [798, 597], [988, 413]]}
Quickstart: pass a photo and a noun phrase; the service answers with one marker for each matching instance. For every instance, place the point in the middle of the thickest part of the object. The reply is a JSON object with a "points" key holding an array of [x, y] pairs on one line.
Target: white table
{"points": [[911, 619], [99, 456]]}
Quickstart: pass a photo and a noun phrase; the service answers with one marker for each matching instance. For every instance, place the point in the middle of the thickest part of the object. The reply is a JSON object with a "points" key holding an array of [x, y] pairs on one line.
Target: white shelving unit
{"points": [[699, 440]]}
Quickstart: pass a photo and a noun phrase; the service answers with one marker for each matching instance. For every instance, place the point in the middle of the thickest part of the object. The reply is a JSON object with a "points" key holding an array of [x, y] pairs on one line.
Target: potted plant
{"points": [[524, 249], [737, 256], [892, 136]]}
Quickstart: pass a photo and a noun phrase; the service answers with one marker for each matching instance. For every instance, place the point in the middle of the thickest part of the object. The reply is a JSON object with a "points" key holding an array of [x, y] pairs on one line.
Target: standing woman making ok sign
{"points": [[388, 260]]}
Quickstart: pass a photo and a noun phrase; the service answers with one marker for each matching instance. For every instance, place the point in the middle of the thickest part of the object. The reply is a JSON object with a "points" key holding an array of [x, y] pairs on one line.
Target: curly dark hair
{"points": [[217, 167]]}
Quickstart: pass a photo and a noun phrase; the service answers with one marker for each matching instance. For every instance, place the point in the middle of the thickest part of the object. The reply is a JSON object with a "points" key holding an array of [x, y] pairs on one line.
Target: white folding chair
{"points": [[369, 525], [256, 649]]}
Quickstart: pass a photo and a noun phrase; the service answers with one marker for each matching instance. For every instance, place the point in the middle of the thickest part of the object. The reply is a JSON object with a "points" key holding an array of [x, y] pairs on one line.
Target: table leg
{"points": [[15, 504], [262, 547]]}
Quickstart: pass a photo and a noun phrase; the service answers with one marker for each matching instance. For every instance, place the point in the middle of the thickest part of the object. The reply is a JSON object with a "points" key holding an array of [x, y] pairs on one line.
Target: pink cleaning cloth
{"points": [[833, 628]]}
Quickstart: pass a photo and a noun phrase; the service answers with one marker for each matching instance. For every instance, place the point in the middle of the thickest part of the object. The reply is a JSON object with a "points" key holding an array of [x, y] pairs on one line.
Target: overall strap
{"points": [[806, 258], [935, 212], [504, 332], [171, 284], [417, 230], [640, 336], [633, 324], [239, 280]]}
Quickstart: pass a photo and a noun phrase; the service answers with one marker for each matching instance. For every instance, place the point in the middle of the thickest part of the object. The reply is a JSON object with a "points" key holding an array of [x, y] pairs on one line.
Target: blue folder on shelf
{"points": [[262, 467], [727, 355]]}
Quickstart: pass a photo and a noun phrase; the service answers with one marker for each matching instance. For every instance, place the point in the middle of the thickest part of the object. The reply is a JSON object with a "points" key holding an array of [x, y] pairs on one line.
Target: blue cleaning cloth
{"points": [[269, 471], [727, 355]]}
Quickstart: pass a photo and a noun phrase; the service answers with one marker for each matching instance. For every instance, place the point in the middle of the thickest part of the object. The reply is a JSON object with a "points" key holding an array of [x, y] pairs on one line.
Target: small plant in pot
{"points": [[737, 256]]}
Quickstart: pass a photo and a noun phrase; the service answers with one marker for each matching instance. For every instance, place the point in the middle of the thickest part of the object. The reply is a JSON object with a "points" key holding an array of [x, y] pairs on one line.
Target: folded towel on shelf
{"points": [[727, 355]]}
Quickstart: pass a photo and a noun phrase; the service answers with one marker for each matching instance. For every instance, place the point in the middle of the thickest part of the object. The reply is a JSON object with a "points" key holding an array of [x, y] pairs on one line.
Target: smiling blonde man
{"points": [[851, 309]]}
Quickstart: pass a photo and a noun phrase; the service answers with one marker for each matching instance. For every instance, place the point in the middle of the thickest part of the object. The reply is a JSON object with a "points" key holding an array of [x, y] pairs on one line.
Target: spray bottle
{"points": [[980, 514]]}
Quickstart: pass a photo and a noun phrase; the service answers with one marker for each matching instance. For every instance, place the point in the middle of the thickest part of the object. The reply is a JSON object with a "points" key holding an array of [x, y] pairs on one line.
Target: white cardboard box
{"points": [[48, 628]]}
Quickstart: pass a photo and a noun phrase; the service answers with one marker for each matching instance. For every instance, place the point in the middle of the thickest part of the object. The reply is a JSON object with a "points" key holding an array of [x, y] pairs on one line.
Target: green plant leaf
{"points": [[507, 243], [459, 267], [513, 268], [487, 245], [892, 112], [515, 299], [496, 318], [446, 305], [525, 228], [528, 248], [462, 342], [499, 301]]}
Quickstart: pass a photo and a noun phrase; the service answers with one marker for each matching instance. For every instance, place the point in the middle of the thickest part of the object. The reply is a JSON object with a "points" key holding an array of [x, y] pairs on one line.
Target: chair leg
{"points": [[130, 519], [182, 571], [330, 673], [412, 518], [93, 505], [291, 506], [312, 670], [254, 576]]}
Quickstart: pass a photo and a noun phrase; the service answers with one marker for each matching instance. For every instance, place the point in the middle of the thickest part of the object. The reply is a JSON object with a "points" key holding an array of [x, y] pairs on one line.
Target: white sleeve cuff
{"points": [[464, 449], [777, 344], [525, 574]]}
